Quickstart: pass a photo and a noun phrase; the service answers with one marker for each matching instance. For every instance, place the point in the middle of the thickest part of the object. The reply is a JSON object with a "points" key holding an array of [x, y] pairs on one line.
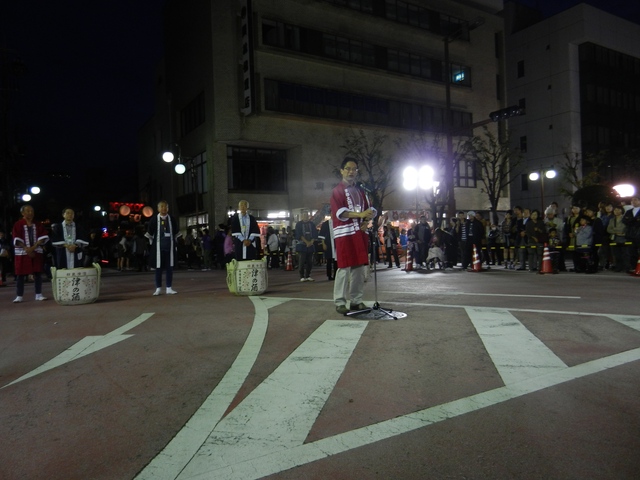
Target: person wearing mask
{"points": [[163, 234], [28, 239]]}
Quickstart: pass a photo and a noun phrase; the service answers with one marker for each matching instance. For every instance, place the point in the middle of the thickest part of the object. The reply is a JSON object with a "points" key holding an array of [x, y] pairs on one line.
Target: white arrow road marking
{"points": [[516, 352], [86, 346], [280, 412]]}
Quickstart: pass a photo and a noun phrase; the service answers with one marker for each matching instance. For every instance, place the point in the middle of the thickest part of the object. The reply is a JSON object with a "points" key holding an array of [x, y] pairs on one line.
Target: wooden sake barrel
{"points": [[247, 277], [76, 286]]}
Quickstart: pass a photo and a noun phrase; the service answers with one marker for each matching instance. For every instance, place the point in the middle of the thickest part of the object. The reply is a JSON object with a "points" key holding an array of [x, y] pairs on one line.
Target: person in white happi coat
{"points": [[69, 240], [163, 234]]}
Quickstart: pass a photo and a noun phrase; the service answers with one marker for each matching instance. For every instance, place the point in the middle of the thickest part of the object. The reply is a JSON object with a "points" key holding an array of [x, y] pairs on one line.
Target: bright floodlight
{"points": [[550, 174], [533, 176], [180, 169], [26, 197], [425, 177], [35, 190], [97, 208], [168, 157], [625, 190], [410, 178]]}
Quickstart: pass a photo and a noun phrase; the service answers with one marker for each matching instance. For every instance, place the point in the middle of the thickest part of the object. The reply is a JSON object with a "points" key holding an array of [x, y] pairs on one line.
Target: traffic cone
{"points": [[637, 272], [547, 266], [408, 266], [477, 264], [289, 267]]}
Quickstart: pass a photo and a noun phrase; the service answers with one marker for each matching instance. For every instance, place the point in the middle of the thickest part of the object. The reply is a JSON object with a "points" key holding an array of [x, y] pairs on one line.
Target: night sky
{"points": [[87, 90], [89, 87]]}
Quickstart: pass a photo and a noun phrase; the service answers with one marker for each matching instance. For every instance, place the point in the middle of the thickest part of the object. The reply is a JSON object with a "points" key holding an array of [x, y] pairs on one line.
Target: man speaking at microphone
{"points": [[350, 212]]}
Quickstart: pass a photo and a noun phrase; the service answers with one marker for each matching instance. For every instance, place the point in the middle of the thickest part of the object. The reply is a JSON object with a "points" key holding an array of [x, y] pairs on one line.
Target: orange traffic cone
{"points": [[289, 267], [547, 266], [477, 264], [637, 272], [408, 266]]}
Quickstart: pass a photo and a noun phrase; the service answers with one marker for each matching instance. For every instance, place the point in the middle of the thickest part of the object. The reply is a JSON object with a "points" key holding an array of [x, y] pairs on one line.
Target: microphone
{"points": [[363, 187]]}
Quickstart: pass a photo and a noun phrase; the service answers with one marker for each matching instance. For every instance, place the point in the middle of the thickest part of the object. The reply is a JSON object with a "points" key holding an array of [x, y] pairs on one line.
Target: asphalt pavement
{"points": [[493, 374]]}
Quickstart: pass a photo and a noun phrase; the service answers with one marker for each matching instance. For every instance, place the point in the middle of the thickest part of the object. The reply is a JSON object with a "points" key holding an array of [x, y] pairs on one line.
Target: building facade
{"points": [[577, 75], [257, 97]]}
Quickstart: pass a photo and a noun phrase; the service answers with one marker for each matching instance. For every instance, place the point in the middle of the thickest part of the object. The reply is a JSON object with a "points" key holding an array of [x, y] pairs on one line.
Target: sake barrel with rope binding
{"points": [[76, 286], [247, 277]]}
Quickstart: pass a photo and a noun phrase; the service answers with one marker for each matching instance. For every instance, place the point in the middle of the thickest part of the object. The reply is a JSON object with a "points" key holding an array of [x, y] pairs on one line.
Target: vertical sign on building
{"points": [[246, 42]]}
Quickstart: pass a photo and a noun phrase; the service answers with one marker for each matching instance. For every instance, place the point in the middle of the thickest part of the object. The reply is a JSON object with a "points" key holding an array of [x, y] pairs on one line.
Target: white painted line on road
{"points": [[280, 412], [169, 463], [86, 346], [472, 294], [280, 461], [516, 352], [628, 320]]}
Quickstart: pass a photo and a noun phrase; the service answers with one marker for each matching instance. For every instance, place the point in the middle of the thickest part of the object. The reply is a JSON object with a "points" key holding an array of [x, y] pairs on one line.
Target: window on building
{"points": [[524, 182], [318, 102], [358, 52], [521, 69], [523, 144], [195, 177], [465, 174], [257, 169], [193, 115]]}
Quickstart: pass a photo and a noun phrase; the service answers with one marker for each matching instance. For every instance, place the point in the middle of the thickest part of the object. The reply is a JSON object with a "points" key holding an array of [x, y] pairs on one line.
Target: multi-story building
{"points": [[260, 95], [577, 75]]}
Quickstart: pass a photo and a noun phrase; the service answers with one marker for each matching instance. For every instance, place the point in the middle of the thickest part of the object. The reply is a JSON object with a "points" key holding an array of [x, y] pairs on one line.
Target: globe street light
{"points": [[625, 190], [415, 179], [541, 175]]}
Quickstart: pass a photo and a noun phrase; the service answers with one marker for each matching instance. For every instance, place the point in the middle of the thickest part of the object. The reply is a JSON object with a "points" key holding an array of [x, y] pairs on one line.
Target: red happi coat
{"points": [[352, 244], [24, 264]]}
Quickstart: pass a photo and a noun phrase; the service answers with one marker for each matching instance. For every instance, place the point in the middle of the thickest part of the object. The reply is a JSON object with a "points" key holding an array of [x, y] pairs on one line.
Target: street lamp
{"points": [[26, 197], [419, 179], [181, 168], [541, 175]]}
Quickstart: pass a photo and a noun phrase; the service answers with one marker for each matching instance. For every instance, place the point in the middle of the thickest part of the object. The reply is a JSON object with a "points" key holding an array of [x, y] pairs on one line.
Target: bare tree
{"points": [[573, 174], [374, 163], [496, 163]]}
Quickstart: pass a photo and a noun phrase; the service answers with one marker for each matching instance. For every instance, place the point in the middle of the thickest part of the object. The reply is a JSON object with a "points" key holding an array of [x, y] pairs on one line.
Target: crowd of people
{"points": [[589, 239]]}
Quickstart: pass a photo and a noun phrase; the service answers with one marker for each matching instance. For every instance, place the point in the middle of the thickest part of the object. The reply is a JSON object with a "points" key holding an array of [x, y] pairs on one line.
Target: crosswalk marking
{"points": [[280, 412], [516, 352]]}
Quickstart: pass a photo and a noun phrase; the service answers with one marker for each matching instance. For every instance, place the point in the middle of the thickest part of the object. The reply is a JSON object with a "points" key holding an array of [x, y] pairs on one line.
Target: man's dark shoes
{"points": [[342, 309], [359, 306]]}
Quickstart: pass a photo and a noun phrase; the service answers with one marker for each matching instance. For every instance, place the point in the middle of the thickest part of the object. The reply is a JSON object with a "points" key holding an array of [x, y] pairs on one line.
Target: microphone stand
{"points": [[375, 312]]}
